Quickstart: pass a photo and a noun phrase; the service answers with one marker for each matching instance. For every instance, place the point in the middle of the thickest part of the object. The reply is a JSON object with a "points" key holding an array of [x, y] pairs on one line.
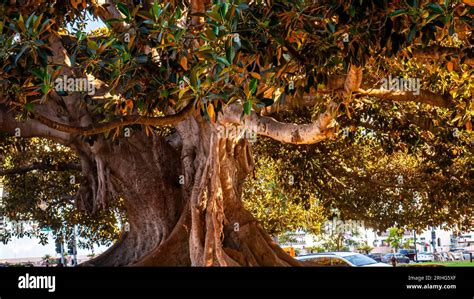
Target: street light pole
{"points": [[62, 252], [74, 246], [414, 243]]}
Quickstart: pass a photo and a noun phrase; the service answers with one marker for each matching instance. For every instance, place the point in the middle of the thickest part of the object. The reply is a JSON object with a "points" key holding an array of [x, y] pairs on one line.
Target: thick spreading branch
{"points": [[292, 103], [28, 128], [288, 132], [125, 121], [312, 99], [283, 132], [426, 97], [341, 84]]}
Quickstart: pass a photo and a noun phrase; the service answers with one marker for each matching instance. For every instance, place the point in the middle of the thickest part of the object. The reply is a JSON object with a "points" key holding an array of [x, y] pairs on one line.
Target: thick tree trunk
{"points": [[201, 222]]}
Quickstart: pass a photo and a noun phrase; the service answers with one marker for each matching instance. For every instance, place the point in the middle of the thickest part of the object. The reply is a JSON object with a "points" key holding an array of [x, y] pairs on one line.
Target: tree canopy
{"points": [[363, 109]]}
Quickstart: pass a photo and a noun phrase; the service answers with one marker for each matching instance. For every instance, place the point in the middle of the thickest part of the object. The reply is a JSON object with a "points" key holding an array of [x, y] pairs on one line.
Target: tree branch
{"points": [[283, 132], [28, 128], [288, 132], [125, 121], [292, 103], [426, 97], [344, 84]]}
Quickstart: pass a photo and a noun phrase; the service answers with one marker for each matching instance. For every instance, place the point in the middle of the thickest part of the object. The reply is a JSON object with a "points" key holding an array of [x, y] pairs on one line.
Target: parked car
{"points": [[339, 259], [401, 259], [376, 256], [448, 256], [439, 257], [460, 254], [467, 255], [409, 253], [425, 257]]}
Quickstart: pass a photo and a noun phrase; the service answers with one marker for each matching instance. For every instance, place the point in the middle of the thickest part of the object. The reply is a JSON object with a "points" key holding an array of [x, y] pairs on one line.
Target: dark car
{"points": [[401, 259], [376, 256], [467, 255], [409, 253]]}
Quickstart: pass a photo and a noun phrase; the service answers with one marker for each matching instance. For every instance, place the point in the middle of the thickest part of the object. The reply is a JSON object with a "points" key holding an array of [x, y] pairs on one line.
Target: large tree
{"points": [[173, 83]]}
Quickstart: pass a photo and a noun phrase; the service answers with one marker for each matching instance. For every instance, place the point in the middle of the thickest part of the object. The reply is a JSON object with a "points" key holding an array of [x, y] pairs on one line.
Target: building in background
{"points": [[431, 240]]}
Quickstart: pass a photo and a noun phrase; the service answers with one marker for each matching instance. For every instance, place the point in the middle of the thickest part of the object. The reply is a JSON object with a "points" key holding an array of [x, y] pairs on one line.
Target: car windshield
{"points": [[360, 260]]}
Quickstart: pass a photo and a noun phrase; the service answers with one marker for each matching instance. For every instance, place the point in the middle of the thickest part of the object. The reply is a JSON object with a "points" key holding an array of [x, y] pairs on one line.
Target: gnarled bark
{"points": [[201, 222]]}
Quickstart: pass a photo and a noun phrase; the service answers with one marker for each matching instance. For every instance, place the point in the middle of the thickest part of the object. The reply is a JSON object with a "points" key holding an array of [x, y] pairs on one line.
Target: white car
{"points": [[425, 257], [340, 259], [458, 253]]}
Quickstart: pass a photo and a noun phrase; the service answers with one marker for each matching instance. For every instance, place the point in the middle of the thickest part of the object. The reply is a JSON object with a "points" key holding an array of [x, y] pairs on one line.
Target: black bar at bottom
{"points": [[287, 283]]}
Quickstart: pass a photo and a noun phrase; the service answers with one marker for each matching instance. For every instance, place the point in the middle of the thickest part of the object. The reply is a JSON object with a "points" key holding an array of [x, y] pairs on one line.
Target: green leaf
{"points": [[29, 20], [215, 30], [38, 73], [193, 78], [248, 107], [412, 3], [80, 35], [397, 12], [352, 11], [45, 88], [156, 9], [23, 51], [451, 29], [124, 9], [230, 52], [412, 33], [30, 107], [435, 7], [224, 7], [222, 60], [214, 15], [253, 85], [92, 45]]}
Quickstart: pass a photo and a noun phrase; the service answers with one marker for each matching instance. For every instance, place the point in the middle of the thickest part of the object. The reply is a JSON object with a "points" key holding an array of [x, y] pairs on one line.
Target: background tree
{"points": [[43, 178], [46, 258], [364, 248], [334, 241], [278, 210], [171, 79], [408, 243], [395, 238]]}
